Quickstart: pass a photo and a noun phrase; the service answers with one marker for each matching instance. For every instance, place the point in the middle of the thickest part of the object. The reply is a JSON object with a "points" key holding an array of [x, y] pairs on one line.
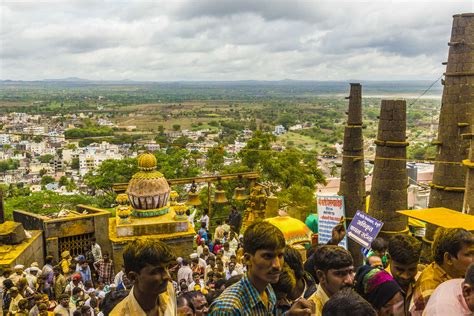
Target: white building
{"points": [[35, 130], [279, 130], [94, 154], [4, 139]]}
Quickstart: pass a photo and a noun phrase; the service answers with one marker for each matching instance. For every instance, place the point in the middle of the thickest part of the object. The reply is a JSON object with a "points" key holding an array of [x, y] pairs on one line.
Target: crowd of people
{"points": [[254, 273]]}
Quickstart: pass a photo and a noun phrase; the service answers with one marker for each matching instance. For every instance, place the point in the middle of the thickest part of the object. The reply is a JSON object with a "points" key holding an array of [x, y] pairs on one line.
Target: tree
{"points": [[257, 149], [42, 172], [46, 180], [9, 164], [110, 172], [176, 127], [38, 139], [215, 159], [63, 181], [75, 163], [46, 158]]}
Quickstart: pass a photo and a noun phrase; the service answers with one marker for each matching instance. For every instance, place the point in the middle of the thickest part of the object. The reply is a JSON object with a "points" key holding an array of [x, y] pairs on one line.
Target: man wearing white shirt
{"points": [[196, 281], [185, 272], [230, 271], [205, 218], [96, 250], [228, 252]]}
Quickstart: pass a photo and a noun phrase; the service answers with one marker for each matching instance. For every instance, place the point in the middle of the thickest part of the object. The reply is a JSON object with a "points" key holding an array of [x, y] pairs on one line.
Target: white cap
{"points": [[193, 256], [19, 266]]}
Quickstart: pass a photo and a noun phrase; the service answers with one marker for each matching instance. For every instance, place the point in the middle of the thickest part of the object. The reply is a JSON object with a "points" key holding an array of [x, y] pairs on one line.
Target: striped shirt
{"points": [[243, 298]]}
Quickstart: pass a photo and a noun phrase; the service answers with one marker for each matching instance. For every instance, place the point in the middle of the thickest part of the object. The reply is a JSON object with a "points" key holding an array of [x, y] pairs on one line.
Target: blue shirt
{"points": [[85, 274], [242, 298]]}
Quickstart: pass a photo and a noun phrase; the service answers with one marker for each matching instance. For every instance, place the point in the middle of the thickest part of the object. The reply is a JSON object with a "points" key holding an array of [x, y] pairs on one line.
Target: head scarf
{"points": [[377, 286]]}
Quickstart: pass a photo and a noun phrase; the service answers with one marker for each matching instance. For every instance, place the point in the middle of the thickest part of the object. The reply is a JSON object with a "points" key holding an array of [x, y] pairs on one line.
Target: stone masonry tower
{"points": [[468, 206], [389, 182], [447, 188], [352, 185]]}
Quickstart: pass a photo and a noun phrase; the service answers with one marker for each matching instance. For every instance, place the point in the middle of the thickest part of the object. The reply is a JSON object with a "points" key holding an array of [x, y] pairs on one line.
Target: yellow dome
{"points": [[147, 162]]}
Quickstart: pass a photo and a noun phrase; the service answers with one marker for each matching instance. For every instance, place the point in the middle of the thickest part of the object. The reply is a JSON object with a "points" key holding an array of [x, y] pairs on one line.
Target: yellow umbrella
{"points": [[294, 230]]}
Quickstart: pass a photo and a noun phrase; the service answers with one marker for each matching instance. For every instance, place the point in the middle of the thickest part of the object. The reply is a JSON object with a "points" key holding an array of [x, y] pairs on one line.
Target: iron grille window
{"points": [[74, 244]]}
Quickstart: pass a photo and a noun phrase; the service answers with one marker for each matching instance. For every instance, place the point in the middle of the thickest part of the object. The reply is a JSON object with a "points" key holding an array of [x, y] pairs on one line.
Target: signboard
{"points": [[330, 211], [364, 229]]}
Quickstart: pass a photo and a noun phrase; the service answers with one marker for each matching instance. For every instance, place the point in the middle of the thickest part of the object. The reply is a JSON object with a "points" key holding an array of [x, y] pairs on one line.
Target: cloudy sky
{"points": [[226, 39]]}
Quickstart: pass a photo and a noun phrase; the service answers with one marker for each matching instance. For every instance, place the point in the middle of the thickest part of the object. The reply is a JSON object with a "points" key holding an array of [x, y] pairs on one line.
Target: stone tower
{"points": [[447, 188], [468, 206], [389, 182], [352, 185]]}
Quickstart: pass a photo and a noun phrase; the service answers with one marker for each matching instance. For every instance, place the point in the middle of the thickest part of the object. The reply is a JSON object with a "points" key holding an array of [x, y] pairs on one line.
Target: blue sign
{"points": [[363, 229], [330, 211]]}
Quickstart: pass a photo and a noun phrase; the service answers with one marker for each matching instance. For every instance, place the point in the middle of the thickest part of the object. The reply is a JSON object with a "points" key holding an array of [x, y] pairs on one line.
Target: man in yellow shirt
{"points": [[146, 264], [453, 252], [335, 270]]}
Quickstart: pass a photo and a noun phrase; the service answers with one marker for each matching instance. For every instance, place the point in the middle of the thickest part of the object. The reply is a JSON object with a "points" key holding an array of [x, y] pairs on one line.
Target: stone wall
{"points": [[29, 251]]}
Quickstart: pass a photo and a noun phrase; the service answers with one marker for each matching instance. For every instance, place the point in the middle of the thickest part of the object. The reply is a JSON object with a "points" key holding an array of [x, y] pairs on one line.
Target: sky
{"points": [[213, 40]]}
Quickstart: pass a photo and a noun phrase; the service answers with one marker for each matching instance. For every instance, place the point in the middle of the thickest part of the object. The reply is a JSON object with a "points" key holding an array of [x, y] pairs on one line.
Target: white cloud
{"points": [[226, 39]]}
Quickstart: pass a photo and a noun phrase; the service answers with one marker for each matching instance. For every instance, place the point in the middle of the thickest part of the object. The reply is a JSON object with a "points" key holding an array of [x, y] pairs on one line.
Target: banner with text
{"points": [[363, 229], [330, 211]]}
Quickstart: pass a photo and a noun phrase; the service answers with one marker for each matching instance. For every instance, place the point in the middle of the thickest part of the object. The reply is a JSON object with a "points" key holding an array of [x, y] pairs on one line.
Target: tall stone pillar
{"points": [[447, 188], [352, 185], [389, 182], [468, 205]]}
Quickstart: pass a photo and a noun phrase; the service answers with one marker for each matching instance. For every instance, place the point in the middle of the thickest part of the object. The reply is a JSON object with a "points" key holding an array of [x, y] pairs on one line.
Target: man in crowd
{"points": [[453, 297], [199, 302], [185, 272], [205, 219], [334, 268], [453, 252], [253, 295], [18, 274], [348, 302], [75, 282], [197, 281], [105, 269], [59, 282], [235, 219], [64, 308], [96, 250], [219, 231], [146, 264], [404, 251]]}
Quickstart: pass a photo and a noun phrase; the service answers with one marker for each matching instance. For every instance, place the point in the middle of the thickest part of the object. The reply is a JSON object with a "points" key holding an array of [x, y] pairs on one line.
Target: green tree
{"points": [[63, 181], [46, 158], [110, 172], [75, 163], [257, 149], [215, 159], [46, 180], [38, 139], [176, 127], [9, 164]]}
